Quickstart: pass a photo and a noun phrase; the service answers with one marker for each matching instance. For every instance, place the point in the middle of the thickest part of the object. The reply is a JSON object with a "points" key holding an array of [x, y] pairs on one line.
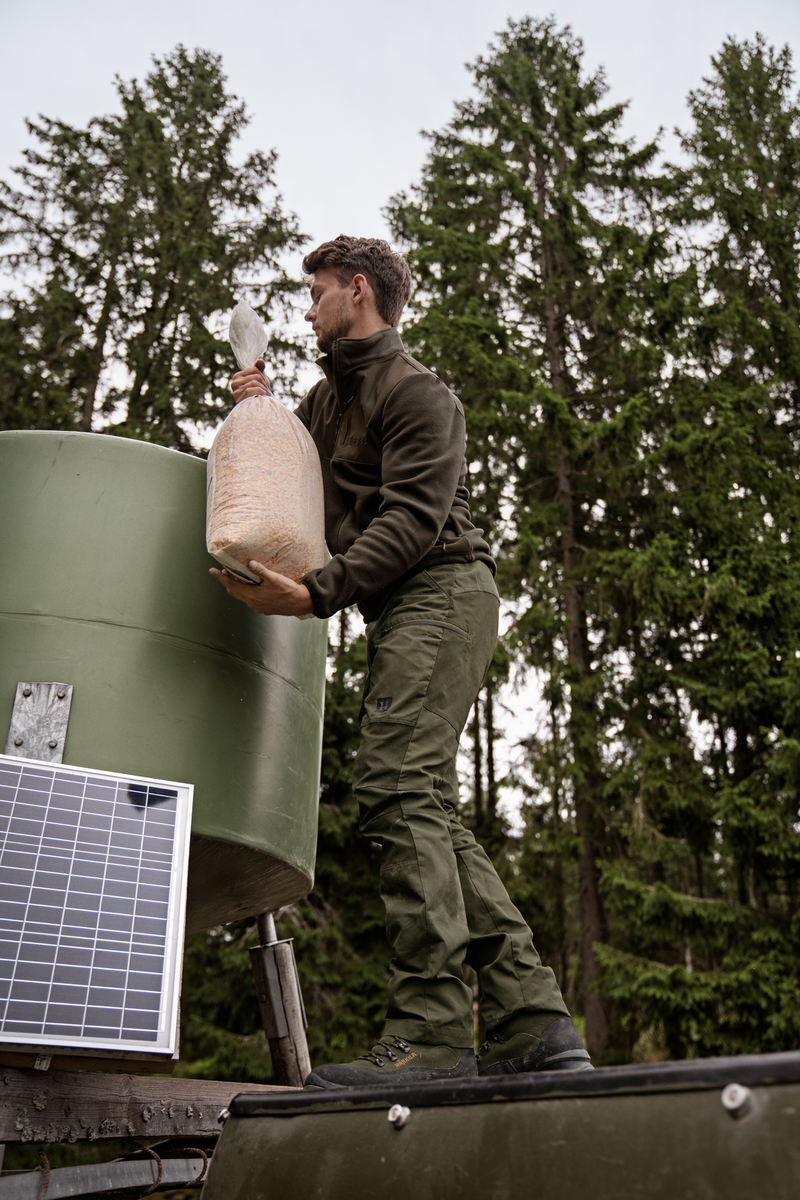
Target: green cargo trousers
{"points": [[428, 653]]}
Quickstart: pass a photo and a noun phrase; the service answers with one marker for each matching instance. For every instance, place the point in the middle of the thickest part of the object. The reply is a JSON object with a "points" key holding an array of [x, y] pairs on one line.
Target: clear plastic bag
{"points": [[247, 335], [264, 496]]}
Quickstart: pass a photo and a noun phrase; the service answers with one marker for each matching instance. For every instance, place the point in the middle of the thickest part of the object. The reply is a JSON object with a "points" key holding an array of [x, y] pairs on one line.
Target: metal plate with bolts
{"points": [[39, 721]]}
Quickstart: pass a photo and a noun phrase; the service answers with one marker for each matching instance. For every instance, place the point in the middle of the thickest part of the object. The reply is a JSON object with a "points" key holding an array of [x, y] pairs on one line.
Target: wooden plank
{"points": [[65, 1106]]}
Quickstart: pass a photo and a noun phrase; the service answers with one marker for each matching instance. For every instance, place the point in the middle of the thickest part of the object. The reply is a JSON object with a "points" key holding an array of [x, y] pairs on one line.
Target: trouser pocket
{"points": [[427, 621]]}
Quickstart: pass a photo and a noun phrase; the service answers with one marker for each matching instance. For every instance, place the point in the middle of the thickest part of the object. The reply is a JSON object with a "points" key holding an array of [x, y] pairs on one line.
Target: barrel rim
{"points": [[752, 1070], [106, 437]]}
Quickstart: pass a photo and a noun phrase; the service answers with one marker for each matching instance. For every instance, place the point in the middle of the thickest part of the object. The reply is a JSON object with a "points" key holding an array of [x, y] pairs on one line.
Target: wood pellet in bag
{"points": [[264, 498]]}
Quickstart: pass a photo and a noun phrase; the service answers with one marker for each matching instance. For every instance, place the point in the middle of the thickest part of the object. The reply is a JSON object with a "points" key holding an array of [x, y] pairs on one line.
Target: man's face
{"points": [[332, 310]]}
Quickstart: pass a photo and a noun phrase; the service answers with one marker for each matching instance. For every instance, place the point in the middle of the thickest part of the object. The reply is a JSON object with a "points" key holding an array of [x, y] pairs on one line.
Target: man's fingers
{"points": [[250, 382], [278, 581], [250, 389], [259, 569]]}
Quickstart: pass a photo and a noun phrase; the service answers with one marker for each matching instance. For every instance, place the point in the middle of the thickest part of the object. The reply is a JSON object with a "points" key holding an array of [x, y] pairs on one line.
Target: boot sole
{"points": [[567, 1060], [315, 1082]]}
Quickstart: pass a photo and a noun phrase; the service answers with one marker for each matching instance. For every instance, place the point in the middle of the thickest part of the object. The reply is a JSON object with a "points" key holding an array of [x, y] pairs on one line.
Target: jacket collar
{"points": [[349, 354]]}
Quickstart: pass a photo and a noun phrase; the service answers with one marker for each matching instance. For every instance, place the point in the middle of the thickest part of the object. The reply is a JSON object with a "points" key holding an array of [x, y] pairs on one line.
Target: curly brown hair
{"points": [[386, 271]]}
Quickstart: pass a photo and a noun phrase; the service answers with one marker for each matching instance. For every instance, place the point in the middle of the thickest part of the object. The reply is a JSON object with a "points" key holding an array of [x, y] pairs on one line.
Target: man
{"points": [[391, 439]]}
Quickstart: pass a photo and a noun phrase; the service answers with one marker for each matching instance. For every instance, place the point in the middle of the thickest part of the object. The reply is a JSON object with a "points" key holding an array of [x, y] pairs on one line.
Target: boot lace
{"points": [[384, 1049]]}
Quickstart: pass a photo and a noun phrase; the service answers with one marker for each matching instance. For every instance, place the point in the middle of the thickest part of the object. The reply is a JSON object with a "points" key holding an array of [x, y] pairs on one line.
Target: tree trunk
{"points": [[156, 320], [560, 903], [582, 719], [342, 643], [583, 731], [98, 353], [491, 784]]}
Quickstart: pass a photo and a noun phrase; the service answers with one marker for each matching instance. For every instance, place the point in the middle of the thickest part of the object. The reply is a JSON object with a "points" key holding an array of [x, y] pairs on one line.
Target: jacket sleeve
{"points": [[423, 439]]}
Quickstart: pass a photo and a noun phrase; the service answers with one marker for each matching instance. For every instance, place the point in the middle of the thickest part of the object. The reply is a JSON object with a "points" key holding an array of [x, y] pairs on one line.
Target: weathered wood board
{"points": [[65, 1106]]}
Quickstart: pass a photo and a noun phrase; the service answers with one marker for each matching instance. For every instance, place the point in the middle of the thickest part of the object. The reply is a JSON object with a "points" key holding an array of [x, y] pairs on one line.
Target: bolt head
{"points": [[52, 743], [61, 695], [736, 1099], [26, 691], [17, 741]]}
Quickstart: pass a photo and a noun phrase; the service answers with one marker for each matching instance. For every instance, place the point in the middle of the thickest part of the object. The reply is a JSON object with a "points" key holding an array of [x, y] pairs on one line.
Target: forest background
{"points": [[624, 337]]}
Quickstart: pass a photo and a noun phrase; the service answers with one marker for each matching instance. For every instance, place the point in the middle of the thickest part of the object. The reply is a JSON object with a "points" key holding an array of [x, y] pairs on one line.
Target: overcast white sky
{"points": [[341, 88]]}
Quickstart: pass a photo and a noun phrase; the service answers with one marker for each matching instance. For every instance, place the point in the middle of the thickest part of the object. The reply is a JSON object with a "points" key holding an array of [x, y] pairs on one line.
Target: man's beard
{"points": [[338, 327]]}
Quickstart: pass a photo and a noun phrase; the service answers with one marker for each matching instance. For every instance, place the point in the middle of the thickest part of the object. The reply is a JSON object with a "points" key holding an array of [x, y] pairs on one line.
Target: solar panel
{"points": [[92, 898]]}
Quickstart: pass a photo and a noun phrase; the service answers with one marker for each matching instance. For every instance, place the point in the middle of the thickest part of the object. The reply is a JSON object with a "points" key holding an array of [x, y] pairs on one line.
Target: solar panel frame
{"points": [[93, 869]]}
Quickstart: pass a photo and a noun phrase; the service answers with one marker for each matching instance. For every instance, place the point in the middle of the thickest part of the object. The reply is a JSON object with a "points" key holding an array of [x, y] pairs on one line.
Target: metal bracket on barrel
{"points": [[39, 721], [281, 1003], [270, 997]]}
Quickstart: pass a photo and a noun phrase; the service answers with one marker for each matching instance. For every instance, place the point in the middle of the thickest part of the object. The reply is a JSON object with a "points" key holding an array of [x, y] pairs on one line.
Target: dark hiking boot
{"points": [[394, 1060], [533, 1042]]}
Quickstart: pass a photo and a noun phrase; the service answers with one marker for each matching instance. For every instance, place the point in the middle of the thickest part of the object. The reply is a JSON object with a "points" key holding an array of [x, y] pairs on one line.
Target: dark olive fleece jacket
{"points": [[391, 439]]}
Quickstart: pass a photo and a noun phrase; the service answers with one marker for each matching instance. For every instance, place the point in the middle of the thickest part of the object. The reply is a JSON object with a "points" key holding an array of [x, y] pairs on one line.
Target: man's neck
{"points": [[366, 325]]}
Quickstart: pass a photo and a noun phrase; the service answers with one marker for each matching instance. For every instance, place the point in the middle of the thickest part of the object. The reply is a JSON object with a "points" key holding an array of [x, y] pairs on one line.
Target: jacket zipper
{"points": [[339, 405], [420, 621]]}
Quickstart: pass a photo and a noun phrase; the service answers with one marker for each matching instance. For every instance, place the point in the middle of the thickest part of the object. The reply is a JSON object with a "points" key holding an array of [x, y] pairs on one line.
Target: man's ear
{"points": [[360, 289]]}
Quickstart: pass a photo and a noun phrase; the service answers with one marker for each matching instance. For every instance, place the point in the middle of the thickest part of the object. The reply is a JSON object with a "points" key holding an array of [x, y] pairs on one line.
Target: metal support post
{"points": [[281, 1004]]}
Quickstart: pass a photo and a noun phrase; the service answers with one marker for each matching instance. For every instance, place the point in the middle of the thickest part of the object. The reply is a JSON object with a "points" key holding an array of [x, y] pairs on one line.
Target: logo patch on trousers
{"points": [[383, 705]]}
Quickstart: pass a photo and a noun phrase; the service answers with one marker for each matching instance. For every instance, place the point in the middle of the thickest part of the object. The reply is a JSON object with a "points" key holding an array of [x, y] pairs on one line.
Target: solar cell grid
{"points": [[89, 865]]}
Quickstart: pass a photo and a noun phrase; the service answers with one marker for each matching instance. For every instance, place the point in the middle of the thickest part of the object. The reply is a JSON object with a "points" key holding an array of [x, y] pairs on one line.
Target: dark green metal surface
{"points": [[105, 585], [615, 1134]]}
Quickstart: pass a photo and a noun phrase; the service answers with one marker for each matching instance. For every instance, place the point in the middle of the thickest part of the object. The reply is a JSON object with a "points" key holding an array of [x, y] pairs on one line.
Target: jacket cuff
{"points": [[321, 603]]}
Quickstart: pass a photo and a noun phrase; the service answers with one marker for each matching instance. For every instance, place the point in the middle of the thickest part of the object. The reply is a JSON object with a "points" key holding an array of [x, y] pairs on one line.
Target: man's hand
{"points": [[252, 382], [275, 596]]}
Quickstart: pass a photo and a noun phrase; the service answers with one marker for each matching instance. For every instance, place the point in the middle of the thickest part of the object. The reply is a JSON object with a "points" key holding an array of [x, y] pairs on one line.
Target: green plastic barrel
{"points": [[105, 586]]}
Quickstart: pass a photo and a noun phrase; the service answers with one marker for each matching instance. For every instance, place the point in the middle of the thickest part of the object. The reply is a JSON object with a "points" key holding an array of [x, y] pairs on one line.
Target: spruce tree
{"points": [[707, 895], [133, 237], [537, 259]]}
